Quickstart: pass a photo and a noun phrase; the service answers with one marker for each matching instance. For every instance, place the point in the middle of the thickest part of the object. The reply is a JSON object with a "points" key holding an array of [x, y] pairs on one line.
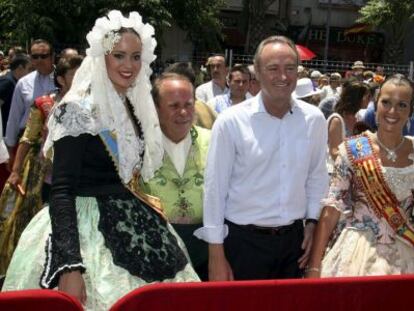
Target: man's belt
{"points": [[278, 231]]}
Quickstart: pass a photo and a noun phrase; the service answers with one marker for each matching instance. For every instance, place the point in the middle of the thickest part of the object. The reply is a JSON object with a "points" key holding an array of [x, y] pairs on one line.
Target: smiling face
{"points": [[277, 72], [123, 64], [176, 108], [393, 107]]}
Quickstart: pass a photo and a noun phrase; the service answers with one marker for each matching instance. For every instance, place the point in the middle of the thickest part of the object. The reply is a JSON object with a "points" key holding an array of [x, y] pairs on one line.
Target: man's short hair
{"points": [[42, 41], [210, 58], [182, 68], [19, 60], [274, 39], [156, 86], [239, 68]]}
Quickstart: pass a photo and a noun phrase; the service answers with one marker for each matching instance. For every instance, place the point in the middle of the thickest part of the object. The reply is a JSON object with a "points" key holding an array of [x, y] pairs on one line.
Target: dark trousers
{"points": [[255, 254], [197, 249]]}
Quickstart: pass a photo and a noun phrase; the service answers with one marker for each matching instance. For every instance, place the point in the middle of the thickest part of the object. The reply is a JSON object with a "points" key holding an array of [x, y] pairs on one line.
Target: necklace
{"points": [[391, 153]]}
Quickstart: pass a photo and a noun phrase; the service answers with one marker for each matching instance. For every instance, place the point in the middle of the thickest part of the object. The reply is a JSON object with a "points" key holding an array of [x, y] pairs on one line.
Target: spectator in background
{"points": [[217, 68], [358, 70], [13, 51], [368, 76], [306, 91], [302, 72], [254, 87], [239, 82], [19, 67], [2, 67], [341, 123], [333, 88], [39, 82], [323, 81], [314, 76]]}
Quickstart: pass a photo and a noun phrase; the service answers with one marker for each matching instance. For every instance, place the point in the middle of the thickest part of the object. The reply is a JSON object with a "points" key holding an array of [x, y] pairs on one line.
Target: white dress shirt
{"points": [[27, 90], [208, 91], [263, 170], [178, 153]]}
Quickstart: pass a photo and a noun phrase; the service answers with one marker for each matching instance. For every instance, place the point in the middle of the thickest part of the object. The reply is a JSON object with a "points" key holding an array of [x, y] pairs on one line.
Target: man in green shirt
{"points": [[179, 182]]}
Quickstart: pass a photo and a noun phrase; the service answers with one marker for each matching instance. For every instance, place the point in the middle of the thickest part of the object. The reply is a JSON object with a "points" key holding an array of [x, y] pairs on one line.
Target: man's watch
{"points": [[311, 221]]}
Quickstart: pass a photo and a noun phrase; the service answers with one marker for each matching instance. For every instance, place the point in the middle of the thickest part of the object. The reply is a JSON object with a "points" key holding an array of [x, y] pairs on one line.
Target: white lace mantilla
{"points": [[93, 105]]}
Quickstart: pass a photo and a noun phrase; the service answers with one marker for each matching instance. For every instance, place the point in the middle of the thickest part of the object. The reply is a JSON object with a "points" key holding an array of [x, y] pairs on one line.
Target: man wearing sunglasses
{"points": [[37, 83]]}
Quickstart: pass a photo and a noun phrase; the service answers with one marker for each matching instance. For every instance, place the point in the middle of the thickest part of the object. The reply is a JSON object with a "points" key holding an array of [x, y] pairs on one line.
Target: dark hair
{"points": [[182, 68], [65, 64], [351, 97], [19, 60], [398, 79], [155, 91], [239, 68], [42, 41]]}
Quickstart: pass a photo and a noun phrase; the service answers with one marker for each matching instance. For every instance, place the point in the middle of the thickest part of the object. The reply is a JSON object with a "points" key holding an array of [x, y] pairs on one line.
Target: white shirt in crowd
{"points": [[27, 90], [208, 91], [263, 170]]}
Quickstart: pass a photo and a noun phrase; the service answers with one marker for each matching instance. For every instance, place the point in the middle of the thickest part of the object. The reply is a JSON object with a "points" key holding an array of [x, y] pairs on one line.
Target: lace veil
{"points": [[93, 105]]}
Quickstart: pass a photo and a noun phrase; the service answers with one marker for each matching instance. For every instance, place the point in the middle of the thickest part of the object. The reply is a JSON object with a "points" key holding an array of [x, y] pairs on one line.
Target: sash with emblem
{"points": [[109, 140], [371, 180]]}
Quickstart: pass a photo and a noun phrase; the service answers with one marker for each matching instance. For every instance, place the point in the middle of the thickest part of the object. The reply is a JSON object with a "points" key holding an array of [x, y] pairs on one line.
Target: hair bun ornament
{"points": [[103, 35]]}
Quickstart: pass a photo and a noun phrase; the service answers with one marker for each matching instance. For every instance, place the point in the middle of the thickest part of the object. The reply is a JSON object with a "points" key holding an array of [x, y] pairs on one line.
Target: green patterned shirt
{"points": [[182, 196]]}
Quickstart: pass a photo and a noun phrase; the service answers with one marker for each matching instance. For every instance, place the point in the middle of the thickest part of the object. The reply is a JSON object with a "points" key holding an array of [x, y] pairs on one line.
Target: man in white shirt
{"points": [[239, 80], [216, 65], [37, 83], [266, 174]]}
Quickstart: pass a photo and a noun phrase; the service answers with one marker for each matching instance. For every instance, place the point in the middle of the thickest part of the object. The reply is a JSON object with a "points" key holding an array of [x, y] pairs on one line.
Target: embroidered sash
{"points": [[109, 140], [371, 180]]}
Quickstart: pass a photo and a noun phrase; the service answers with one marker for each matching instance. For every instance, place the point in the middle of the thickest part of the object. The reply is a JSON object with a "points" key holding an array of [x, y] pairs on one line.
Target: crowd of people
{"points": [[114, 179]]}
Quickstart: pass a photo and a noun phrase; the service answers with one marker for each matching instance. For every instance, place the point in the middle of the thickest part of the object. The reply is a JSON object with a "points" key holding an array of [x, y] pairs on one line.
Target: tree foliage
{"points": [[393, 17], [67, 22], [254, 12]]}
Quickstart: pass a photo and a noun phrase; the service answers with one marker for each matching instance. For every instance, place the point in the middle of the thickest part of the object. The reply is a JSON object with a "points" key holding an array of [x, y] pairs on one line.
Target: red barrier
{"points": [[38, 299], [366, 293]]}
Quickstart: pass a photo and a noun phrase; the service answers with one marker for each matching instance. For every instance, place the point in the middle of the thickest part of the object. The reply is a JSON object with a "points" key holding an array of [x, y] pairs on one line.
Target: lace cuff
{"points": [[55, 265]]}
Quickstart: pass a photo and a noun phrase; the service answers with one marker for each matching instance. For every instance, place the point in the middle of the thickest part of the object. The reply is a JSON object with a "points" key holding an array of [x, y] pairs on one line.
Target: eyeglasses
{"points": [[40, 56]]}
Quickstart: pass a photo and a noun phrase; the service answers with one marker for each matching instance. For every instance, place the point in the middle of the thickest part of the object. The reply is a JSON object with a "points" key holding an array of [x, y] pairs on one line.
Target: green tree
{"points": [[67, 22], [254, 12], [394, 17]]}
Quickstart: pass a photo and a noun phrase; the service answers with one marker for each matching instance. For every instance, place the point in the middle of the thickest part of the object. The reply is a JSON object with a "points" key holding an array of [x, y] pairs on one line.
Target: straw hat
{"points": [[305, 88], [358, 65]]}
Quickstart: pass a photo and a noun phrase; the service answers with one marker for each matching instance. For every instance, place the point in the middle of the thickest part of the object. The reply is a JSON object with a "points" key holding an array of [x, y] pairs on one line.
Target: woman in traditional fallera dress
{"points": [[368, 215], [104, 236], [25, 191]]}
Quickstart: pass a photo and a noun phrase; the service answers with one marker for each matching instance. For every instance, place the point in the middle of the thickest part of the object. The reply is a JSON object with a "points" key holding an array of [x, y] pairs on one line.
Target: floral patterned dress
{"points": [[362, 243]]}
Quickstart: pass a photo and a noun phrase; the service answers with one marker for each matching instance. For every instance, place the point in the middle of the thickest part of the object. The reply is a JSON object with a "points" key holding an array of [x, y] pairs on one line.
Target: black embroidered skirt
{"points": [[124, 245]]}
